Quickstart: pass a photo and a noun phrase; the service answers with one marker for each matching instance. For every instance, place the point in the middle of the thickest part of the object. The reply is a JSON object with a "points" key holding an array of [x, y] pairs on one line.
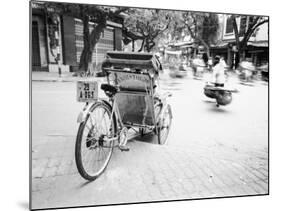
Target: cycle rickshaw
{"points": [[133, 103]]}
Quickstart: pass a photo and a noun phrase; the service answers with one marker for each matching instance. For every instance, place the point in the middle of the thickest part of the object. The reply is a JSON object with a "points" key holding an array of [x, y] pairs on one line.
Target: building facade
{"points": [[57, 42], [257, 46]]}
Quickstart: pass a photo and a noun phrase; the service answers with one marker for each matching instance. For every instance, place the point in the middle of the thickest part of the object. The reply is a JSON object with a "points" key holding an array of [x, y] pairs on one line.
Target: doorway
{"points": [[36, 62]]}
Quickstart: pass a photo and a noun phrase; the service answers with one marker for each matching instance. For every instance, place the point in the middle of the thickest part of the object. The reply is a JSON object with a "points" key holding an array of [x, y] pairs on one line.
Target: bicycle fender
{"points": [[81, 117], [82, 114], [107, 103]]}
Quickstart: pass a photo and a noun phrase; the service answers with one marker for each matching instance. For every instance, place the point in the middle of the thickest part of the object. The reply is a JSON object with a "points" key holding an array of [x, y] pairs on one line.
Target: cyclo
{"points": [[132, 104]]}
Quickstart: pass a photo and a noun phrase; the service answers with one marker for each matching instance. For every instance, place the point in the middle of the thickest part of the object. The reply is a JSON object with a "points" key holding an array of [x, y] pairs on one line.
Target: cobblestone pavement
{"points": [[148, 172], [198, 162]]}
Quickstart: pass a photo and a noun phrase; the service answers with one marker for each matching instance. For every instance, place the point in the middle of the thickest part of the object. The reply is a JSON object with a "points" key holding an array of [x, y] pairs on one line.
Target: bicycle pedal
{"points": [[124, 148]]}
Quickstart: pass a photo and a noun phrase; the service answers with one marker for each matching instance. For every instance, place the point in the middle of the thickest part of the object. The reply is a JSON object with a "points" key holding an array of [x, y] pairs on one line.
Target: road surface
{"points": [[211, 152]]}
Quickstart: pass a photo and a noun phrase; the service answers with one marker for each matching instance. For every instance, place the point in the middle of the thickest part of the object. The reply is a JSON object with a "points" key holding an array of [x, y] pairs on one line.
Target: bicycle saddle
{"points": [[109, 90]]}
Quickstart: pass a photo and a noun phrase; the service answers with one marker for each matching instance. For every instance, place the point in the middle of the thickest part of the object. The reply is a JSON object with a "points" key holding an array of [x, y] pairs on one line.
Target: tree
{"points": [[202, 27], [210, 28], [99, 15], [145, 25], [254, 22], [87, 13]]}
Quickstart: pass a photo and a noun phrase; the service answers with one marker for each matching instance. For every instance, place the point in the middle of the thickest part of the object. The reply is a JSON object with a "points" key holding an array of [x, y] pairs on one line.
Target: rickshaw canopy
{"points": [[131, 61]]}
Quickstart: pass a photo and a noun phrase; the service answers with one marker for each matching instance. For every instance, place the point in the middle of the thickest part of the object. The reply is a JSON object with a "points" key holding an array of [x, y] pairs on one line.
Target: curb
{"points": [[62, 79], [52, 80]]}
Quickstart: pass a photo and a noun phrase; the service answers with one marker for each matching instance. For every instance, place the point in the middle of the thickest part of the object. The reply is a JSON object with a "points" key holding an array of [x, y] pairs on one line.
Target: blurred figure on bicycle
{"points": [[247, 69]]}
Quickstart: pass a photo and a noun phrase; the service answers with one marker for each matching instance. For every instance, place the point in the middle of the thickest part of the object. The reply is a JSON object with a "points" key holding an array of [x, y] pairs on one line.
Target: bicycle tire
{"points": [[163, 139], [78, 156]]}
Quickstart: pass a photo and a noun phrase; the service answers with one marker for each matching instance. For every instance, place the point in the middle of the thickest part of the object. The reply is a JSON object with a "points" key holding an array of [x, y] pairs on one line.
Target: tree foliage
{"points": [[202, 27], [145, 25]]}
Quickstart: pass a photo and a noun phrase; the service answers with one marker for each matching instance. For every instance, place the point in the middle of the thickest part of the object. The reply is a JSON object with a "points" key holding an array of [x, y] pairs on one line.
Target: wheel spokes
{"points": [[96, 156], [165, 126]]}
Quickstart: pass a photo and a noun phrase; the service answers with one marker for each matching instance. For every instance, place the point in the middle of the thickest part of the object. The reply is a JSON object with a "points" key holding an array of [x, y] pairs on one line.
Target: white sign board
{"points": [[87, 91], [132, 80]]}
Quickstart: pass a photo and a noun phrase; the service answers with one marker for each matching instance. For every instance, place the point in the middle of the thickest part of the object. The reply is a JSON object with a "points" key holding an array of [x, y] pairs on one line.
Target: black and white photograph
{"points": [[134, 105]]}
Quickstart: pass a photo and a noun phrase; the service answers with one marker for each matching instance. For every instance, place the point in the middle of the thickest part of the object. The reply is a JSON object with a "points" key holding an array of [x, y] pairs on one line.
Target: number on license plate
{"points": [[87, 91]]}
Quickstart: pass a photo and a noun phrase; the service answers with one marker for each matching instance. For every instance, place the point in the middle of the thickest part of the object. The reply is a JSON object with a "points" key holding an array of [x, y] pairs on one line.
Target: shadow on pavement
{"points": [[214, 108], [219, 109], [84, 184], [150, 138], [209, 101]]}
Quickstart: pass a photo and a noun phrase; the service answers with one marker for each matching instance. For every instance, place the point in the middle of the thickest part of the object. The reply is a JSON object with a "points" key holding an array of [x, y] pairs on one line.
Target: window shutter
{"points": [[118, 39], [69, 49]]}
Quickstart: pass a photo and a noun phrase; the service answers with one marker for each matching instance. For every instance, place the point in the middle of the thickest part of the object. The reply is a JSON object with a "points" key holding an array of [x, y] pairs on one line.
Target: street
{"points": [[211, 152]]}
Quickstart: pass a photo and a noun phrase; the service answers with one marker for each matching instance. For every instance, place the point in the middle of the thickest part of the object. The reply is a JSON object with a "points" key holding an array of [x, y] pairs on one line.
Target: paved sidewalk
{"points": [[148, 172]]}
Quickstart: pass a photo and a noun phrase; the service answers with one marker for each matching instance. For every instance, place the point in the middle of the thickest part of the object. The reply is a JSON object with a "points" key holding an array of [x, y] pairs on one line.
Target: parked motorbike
{"points": [[222, 95]]}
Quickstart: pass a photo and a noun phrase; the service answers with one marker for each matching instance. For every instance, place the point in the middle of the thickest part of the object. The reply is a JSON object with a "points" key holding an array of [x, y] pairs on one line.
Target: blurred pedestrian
{"points": [[198, 65], [219, 72], [222, 61], [247, 69], [205, 58], [210, 64]]}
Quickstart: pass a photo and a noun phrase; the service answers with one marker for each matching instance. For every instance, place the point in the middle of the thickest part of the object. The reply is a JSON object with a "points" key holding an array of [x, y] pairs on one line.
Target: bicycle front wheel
{"points": [[92, 152]]}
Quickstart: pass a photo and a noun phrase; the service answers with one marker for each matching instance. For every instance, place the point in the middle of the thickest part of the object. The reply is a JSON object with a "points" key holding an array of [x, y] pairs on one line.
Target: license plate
{"points": [[87, 91]]}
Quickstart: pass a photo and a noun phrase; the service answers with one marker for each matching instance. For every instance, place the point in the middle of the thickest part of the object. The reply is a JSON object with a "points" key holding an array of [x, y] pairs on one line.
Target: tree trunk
{"points": [[242, 54], [90, 41], [237, 41], [94, 38], [142, 44], [150, 45], [83, 64], [146, 47]]}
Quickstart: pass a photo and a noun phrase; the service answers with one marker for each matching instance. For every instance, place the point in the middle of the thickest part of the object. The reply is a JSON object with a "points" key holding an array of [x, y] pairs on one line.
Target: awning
{"points": [[258, 44], [173, 52], [224, 44], [182, 44], [220, 45]]}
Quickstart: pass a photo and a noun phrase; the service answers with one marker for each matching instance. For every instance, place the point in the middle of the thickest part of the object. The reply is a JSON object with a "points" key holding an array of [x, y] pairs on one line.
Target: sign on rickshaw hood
{"points": [[130, 79]]}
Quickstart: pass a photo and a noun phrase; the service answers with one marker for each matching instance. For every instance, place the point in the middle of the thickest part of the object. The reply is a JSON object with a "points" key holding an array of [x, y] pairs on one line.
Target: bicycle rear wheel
{"points": [[164, 125], [92, 152]]}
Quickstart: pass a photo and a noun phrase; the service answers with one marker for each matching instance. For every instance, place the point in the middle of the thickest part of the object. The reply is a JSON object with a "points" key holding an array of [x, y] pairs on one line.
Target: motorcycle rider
{"points": [[218, 72]]}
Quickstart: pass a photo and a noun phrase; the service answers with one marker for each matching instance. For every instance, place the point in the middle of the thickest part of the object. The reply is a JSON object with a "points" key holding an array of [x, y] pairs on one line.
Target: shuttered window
{"points": [[69, 48], [229, 26]]}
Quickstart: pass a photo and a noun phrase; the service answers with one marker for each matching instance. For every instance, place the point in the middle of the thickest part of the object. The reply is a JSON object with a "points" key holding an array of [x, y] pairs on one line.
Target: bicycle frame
{"points": [[114, 113]]}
